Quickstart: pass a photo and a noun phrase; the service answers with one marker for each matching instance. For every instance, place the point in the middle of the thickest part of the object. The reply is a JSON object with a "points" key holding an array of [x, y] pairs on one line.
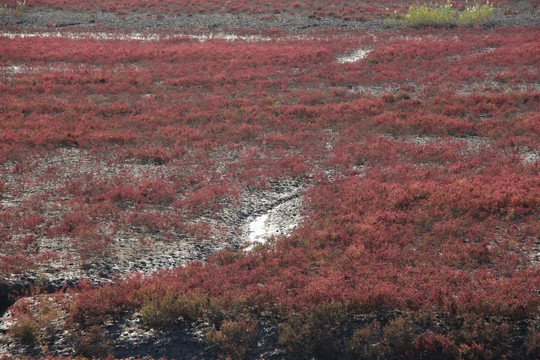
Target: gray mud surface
{"points": [[281, 202], [59, 19]]}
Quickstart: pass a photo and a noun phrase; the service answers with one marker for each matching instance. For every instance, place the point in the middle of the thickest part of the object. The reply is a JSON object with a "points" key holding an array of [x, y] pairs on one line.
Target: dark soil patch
{"points": [[60, 19]]}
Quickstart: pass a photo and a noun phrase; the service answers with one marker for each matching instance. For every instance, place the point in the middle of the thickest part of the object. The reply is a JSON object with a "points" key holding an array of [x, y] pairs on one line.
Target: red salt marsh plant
{"points": [[378, 246], [405, 221], [267, 119], [166, 95]]}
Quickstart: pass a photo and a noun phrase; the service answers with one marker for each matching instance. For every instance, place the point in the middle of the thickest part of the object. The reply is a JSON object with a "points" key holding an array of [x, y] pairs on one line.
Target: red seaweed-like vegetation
{"points": [[421, 161]]}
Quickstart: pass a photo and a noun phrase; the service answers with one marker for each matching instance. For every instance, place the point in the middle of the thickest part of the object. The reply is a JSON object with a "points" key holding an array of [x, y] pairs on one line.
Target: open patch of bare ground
{"points": [[522, 14]]}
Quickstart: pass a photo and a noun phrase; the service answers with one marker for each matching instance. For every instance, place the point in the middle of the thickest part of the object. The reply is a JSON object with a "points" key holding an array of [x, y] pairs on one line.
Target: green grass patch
{"points": [[446, 15], [476, 15]]}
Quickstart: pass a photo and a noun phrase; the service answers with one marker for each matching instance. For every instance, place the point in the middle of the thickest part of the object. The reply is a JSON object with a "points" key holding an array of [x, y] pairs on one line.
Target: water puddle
{"points": [[258, 230], [279, 220], [136, 36], [353, 57]]}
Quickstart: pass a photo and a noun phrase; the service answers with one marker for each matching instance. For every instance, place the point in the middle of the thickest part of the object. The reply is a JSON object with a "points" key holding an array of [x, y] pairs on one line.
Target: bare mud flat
{"points": [[61, 19], [143, 251], [259, 216]]}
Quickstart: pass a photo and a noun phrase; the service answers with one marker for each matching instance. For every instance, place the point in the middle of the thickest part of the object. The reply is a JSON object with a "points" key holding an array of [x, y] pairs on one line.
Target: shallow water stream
{"points": [[279, 220]]}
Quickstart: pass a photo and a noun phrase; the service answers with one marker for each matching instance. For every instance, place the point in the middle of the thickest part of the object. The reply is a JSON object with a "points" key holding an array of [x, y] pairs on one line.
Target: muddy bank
{"points": [[7, 295], [522, 15], [229, 229], [280, 205]]}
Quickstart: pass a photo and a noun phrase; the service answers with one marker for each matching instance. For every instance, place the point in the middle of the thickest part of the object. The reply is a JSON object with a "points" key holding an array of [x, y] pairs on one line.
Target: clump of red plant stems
{"points": [[422, 169]]}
